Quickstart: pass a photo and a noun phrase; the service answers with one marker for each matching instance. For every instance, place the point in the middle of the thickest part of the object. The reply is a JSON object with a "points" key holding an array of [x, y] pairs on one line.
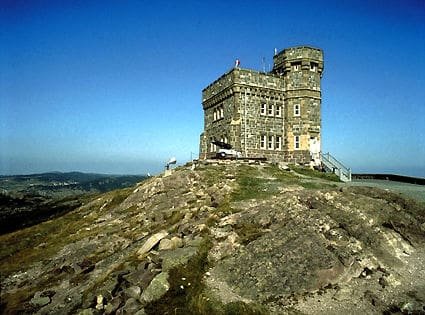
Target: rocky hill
{"points": [[223, 238]]}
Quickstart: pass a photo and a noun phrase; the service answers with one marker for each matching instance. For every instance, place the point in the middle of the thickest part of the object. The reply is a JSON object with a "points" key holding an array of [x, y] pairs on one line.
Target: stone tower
{"points": [[301, 68], [274, 115]]}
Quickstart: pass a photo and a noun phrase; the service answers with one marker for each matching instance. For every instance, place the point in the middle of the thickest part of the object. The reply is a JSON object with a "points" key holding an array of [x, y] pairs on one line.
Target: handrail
{"points": [[336, 166]]}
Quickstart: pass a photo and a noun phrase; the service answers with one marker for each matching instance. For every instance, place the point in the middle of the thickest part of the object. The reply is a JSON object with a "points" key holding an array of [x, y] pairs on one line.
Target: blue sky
{"points": [[115, 86]]}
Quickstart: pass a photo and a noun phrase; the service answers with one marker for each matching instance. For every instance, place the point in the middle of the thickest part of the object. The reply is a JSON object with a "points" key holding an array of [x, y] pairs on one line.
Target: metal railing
{"points": [[331, 164]]}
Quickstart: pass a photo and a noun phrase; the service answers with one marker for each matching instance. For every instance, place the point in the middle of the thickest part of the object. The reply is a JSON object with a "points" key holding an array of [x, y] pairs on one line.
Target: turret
{"points": [[301, 68]]}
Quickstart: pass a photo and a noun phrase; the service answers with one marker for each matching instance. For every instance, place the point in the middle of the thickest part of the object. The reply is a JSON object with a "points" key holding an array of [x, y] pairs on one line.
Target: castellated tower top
{"points": [[298, 58]]}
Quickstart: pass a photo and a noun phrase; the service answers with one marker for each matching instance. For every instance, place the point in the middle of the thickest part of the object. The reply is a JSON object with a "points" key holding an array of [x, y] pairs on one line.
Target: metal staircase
{"points": [[331, 164]]}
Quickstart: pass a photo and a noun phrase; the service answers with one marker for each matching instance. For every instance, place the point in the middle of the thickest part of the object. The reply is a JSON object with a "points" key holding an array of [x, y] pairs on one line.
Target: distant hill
{"points": [[57, 184], [28, 199]]}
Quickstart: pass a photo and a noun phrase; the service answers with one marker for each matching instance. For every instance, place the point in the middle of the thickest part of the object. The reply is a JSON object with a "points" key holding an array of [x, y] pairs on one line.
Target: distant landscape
{"points": [[26, 200]]}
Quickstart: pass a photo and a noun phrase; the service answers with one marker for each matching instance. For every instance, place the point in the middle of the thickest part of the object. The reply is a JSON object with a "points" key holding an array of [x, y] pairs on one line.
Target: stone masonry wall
{"points": [[258, 109]]}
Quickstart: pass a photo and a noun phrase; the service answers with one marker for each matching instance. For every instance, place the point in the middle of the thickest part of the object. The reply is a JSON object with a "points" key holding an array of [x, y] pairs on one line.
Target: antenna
{"points": [[263, 60]]}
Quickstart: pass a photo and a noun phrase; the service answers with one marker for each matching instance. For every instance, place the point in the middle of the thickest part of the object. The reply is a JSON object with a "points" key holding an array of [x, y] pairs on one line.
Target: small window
{"points": [[270, 110], [263, 109], [313, 66], [221, 112], [270, 143], [278, 143], [296, 66], [297, 110], [262, 142], [296, 142], [278, 111]]}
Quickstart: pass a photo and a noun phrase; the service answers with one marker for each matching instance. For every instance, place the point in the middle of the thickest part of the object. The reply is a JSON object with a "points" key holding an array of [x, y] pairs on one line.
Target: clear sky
{"points": [[115, 86]]}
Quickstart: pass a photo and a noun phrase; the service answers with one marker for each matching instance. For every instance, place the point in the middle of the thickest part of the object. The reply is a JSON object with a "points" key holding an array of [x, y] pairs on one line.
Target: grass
{"points": [[255, 183], [20, 248], [315, 174]]}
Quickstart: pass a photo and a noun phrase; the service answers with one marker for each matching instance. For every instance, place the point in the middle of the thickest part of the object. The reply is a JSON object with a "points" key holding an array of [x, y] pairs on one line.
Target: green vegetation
{"points": [[26, 200], [73, 226], [315, 174], [254, 183]]}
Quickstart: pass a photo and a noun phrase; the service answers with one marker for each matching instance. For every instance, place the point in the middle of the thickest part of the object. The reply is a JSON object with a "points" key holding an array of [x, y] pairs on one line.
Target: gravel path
{"points": [[411, 190]]}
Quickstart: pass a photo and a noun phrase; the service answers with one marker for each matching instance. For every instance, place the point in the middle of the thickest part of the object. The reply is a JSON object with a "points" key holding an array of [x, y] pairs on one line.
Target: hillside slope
{"points": [[223, 238], [26, 200]]}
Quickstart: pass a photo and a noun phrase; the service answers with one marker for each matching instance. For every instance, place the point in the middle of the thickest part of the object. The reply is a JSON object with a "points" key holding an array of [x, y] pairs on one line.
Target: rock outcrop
{"points": [[223, 238]]}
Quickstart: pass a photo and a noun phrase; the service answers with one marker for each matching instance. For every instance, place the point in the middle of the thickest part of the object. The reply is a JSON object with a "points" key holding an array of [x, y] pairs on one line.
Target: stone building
{"points": [[275, 115]]}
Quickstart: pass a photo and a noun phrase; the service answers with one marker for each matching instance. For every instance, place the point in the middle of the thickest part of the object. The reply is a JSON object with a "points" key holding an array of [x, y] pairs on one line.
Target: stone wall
{"points": [[259, 108]]}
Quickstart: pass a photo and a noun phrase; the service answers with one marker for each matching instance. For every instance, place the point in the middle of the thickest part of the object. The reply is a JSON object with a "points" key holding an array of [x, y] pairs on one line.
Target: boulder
{"points": [[132, 306], [156, 289], [133, 291], [38, 300], [167, 244], [150, 243]]}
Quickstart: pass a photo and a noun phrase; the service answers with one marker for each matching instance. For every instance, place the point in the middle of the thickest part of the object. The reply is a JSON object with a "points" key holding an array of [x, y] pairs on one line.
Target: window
{"points": [[278, 111], [270, 143], [262, 142], [296, 66], [278, 143], [218, 113], [263, 109], [212, 145], [270, 110], [313, 66], [297, 142], [297, 110]]}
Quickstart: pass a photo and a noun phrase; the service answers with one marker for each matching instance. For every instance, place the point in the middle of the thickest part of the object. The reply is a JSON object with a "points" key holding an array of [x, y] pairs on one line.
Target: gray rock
{"points": [[99, 302], [177, 242], [131, 306], [156, 289], [150, 243], [39, 300], [142, 277], [133, 291], [113, 305], [140, 312], [165, 244], [177, 257]]}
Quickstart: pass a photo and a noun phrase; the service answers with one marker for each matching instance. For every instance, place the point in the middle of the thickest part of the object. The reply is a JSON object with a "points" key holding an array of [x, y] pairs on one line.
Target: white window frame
{"points": [[270, 110], [278, 143], [297, 110], [263, 109], [296, 142], [278, 111], [270, 142], [263, 142]]}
